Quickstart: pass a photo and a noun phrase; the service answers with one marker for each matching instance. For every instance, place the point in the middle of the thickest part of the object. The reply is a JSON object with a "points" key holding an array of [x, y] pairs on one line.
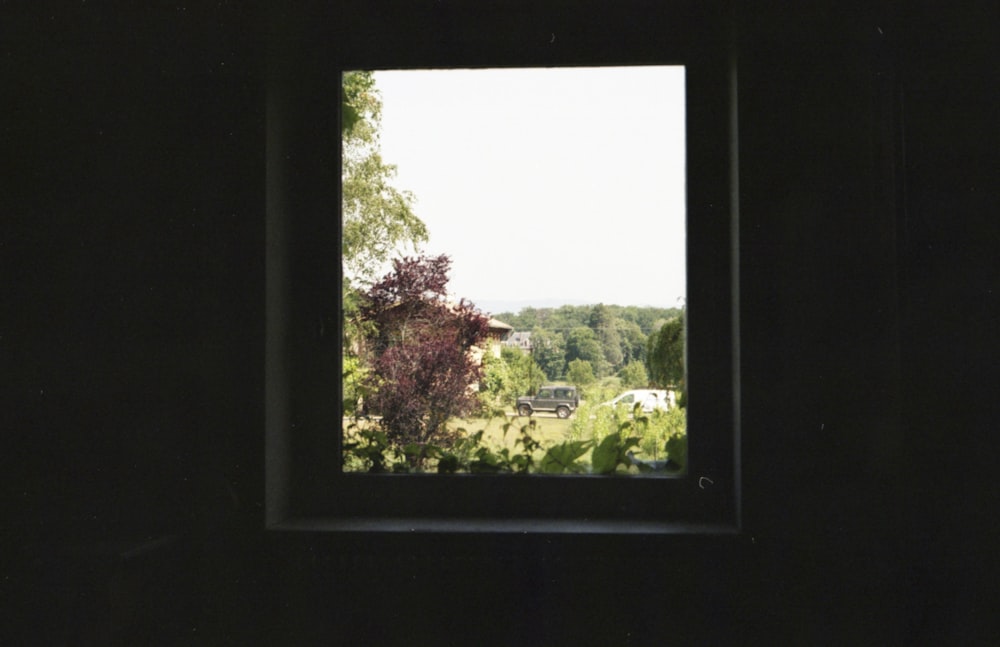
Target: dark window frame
{"points": [[305, 487]]}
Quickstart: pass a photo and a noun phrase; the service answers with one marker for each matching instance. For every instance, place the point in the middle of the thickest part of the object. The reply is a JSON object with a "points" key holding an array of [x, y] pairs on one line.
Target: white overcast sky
{"points": [[545, 186]]}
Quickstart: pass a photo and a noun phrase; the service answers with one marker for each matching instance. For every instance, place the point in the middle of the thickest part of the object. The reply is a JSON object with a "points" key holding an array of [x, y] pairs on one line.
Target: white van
{"points": [[650, 399]]}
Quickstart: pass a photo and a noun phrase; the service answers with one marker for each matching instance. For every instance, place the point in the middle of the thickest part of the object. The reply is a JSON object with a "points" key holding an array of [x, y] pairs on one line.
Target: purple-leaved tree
{"points": [[420, 349]]}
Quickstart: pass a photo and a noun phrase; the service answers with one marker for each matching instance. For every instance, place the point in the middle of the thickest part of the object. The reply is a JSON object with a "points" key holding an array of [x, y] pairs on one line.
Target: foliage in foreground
{"points": [[662, 435], [616, 443]]}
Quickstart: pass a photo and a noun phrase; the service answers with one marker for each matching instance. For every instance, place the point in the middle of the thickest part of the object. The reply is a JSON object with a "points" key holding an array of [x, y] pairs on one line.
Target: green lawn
{"points": [[549, 430]]}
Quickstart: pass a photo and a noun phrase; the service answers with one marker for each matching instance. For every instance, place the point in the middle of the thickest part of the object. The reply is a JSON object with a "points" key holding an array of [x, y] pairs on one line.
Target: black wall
{"points": [[131, 347], [132, 317]]}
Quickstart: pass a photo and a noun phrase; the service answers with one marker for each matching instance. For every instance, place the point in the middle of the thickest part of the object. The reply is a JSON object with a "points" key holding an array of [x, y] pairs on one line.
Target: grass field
{"points": [[549, 429]]}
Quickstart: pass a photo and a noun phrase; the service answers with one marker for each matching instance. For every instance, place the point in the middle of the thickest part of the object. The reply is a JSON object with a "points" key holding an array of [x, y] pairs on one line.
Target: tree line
{"points": [[644, 346]]}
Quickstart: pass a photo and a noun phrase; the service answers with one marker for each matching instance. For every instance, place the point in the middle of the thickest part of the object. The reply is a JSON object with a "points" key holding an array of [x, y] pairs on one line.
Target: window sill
{"points": [[522, 526]]}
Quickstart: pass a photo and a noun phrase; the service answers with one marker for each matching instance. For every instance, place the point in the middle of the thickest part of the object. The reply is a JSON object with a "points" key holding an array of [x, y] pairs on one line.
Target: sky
{"points": [[546, 186]]}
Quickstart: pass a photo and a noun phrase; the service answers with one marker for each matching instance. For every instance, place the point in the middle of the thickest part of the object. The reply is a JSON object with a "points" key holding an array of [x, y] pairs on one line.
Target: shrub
{"points": [[419, 348], [660, 435]]}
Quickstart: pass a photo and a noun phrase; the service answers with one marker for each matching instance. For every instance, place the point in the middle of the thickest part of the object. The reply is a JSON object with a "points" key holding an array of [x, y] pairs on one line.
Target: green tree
{"points": [[567, 317], [528, 318], [665, 356], [582, 343], [506, 377], [377, 217], [605, 326], [528, 375], [633, 341], [549, 350], [580, 373], [633, 375], [497, 383]]}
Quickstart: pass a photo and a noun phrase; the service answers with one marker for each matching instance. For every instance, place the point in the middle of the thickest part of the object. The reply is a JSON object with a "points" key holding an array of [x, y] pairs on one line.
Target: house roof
{"points": [[499, 325], [500, 329]]}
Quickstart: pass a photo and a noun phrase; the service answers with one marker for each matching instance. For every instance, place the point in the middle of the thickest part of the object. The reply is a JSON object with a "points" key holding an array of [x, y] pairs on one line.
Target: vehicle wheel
{"points": [[563, 412], [524, 410]]}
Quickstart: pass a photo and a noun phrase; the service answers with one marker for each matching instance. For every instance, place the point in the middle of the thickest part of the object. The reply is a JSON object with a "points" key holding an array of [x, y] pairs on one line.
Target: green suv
{"points": [[562, 400]]}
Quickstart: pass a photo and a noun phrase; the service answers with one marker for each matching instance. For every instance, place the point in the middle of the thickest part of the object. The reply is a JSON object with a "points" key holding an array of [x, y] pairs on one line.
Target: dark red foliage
{"points": [[420, 349], [411, 279]]}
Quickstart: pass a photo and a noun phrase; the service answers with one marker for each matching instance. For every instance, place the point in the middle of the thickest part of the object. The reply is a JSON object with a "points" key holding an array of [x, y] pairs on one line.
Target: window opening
{"points": [[514, 254]]}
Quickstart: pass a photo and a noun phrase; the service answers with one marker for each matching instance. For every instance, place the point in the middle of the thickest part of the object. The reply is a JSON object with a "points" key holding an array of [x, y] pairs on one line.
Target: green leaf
{"points": [[612, 452], [677, 450], [563, 457], [375, 438], [605, 457]]}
